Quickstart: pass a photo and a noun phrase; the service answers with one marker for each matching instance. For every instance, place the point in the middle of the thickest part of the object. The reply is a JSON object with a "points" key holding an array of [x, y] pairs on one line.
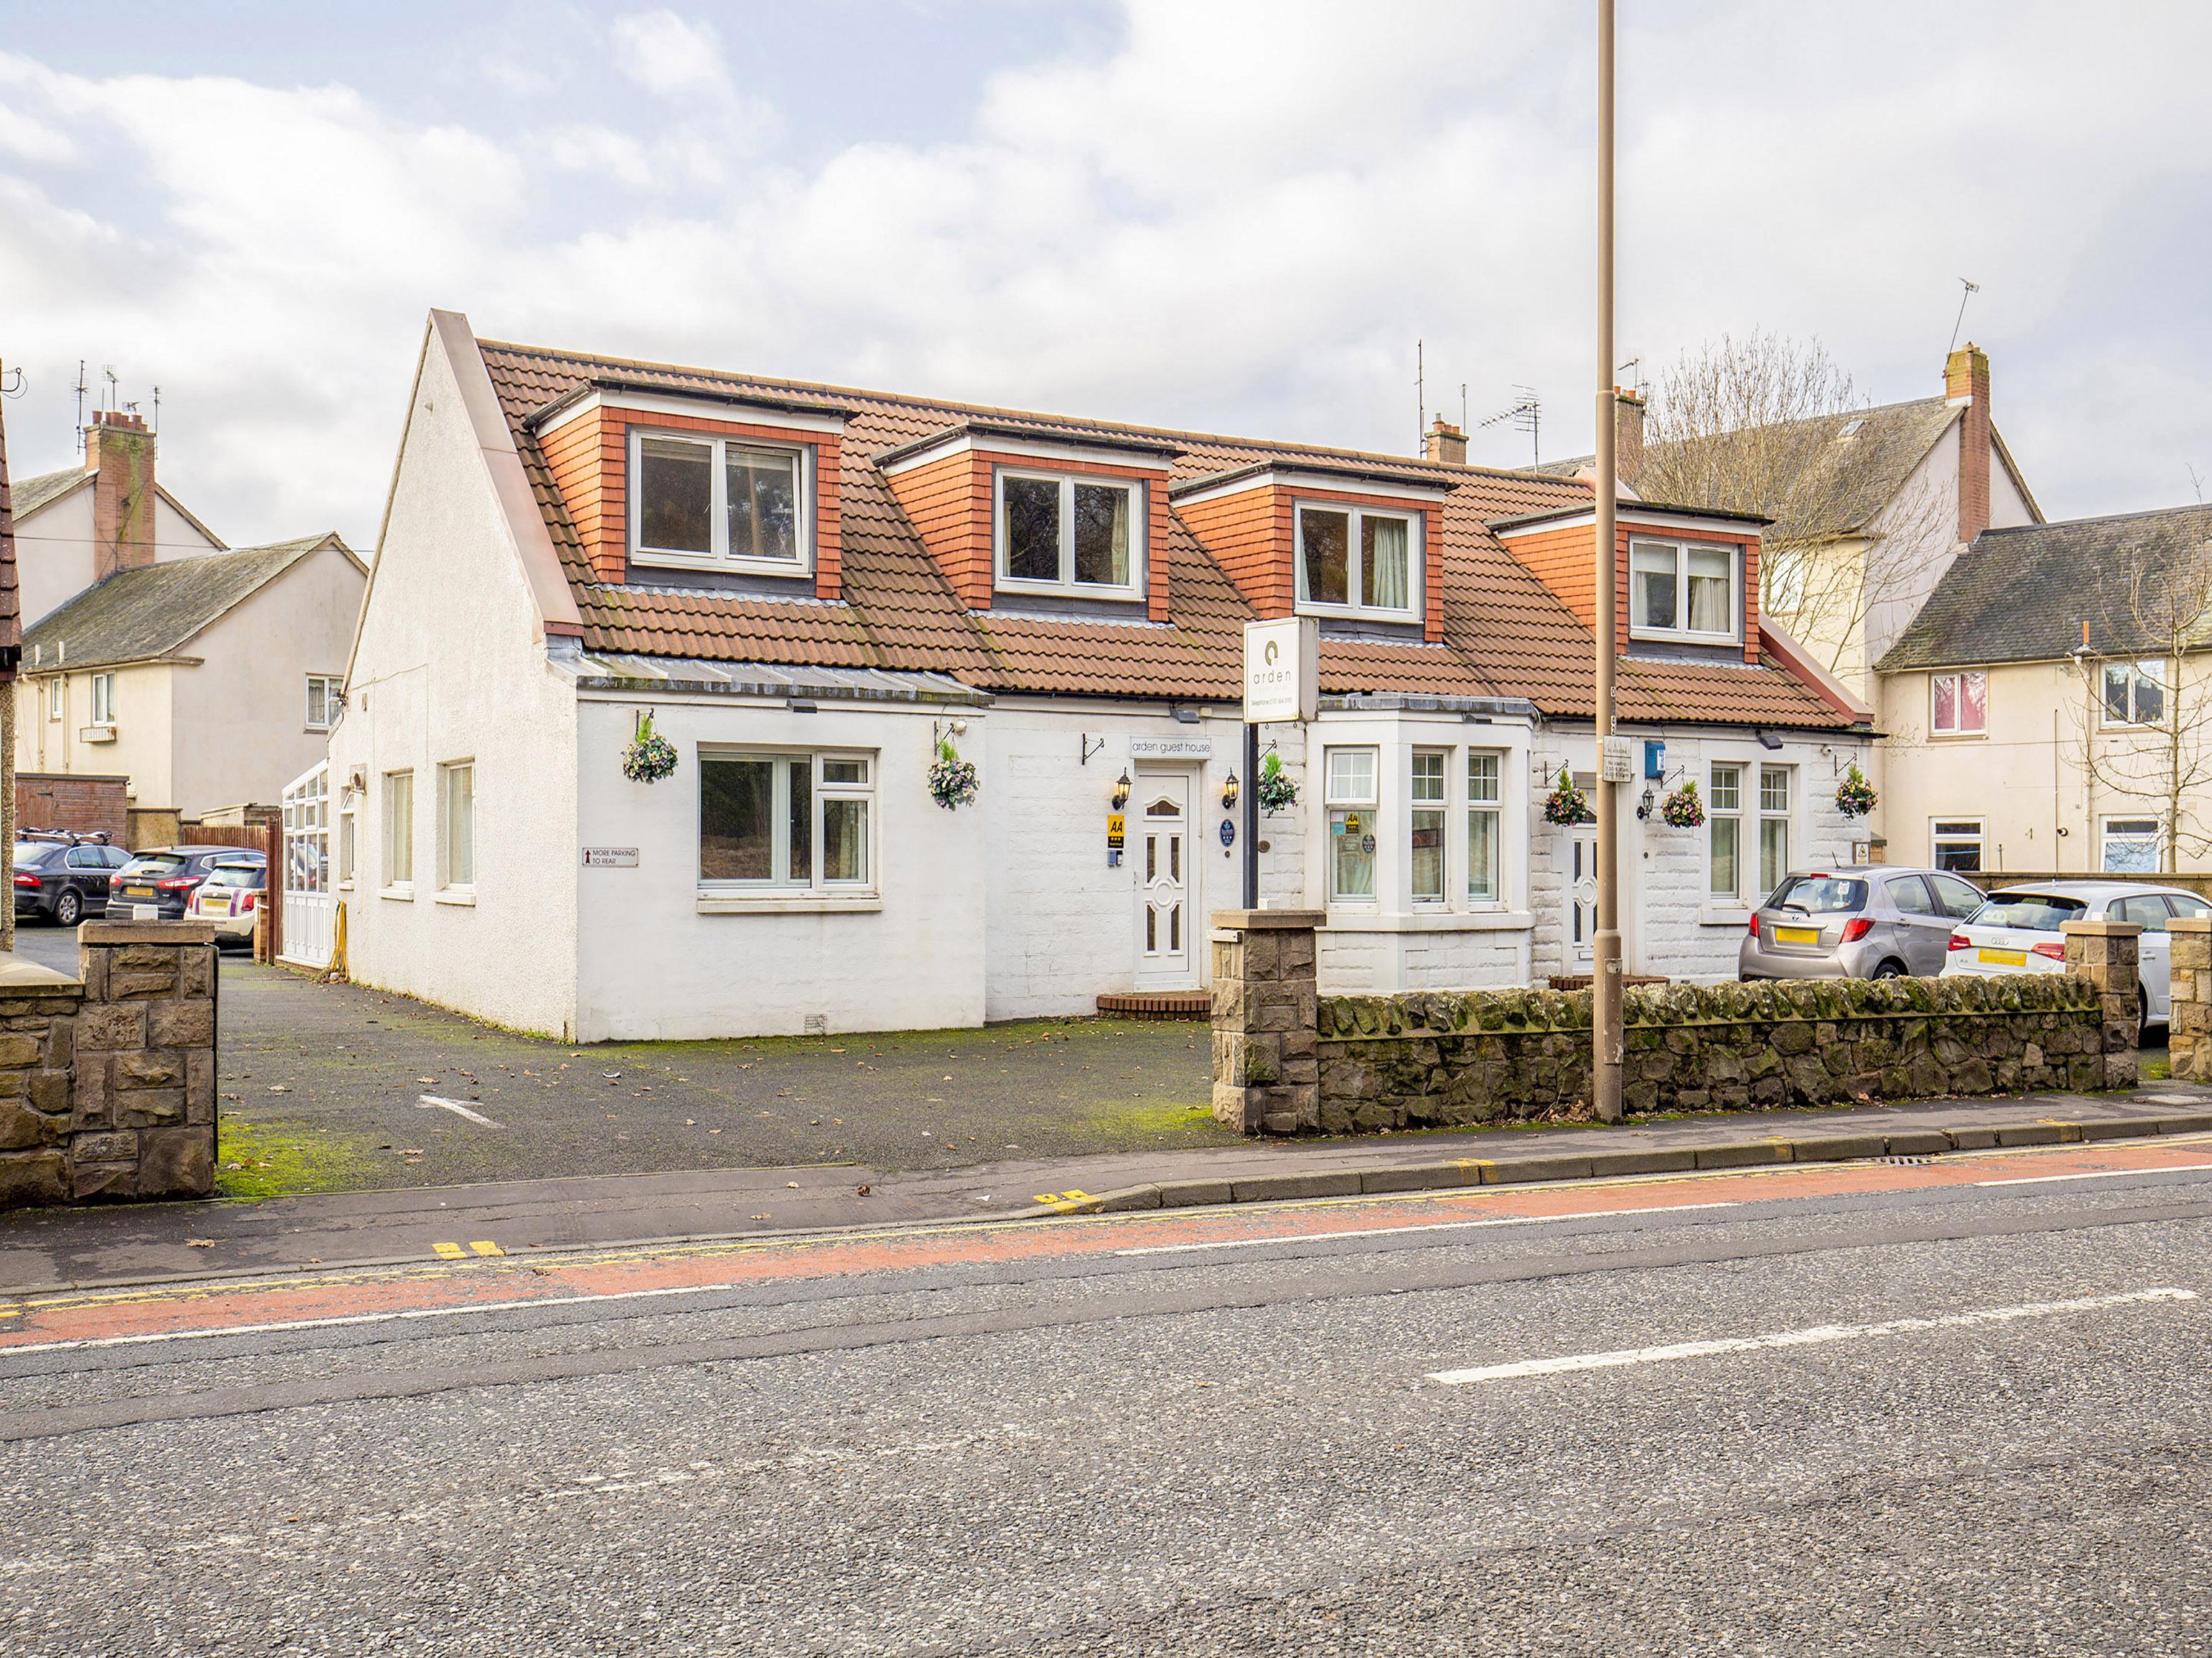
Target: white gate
{"points": [[310, 910]]}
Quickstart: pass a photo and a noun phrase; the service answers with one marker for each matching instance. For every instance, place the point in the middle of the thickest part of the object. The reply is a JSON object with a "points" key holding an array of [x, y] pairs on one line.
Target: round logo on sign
{"points": [[1367, 843], [1228, 831]]}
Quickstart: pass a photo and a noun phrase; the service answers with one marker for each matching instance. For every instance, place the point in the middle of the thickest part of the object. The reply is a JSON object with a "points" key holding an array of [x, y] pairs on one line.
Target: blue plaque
{"points": [[1229, 831]]}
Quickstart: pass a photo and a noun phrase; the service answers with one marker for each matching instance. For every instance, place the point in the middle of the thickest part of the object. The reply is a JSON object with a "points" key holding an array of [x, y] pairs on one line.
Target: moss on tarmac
{"points": [[322, 1090]]}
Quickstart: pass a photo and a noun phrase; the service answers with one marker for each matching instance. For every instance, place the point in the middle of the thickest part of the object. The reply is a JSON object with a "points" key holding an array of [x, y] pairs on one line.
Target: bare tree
{"points": [[2143, 726], [1770, 425]]}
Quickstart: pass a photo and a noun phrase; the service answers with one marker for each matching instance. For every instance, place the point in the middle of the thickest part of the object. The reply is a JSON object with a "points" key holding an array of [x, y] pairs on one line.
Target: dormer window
{"points": [[1062, 533], [721, 503], [1358, 561], [1684, 590]]}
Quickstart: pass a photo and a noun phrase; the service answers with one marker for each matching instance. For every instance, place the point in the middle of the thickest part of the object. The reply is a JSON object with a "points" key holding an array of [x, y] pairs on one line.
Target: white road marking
{"points": [[455, 1106], [1438, 1226], [2100, 1173], [1813, 1337]]}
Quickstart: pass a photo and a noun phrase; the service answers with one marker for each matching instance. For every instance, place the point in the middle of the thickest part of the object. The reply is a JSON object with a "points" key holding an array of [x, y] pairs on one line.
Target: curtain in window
{"points": [[1102, 535], [1710, 574], [1383, 563]]}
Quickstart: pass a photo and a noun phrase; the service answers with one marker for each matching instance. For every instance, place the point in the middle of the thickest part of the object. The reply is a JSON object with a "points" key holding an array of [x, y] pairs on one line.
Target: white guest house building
{"points": [[806, 597]]}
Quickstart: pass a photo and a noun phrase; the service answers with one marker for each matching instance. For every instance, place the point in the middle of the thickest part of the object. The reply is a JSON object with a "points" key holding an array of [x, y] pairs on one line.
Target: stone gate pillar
{"points": [[2189, 1031], [2105, 953], [1266, 1078]]}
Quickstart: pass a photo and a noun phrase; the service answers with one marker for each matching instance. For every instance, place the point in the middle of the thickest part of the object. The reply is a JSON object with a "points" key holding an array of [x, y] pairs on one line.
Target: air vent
{"points": [[818, 1024]]}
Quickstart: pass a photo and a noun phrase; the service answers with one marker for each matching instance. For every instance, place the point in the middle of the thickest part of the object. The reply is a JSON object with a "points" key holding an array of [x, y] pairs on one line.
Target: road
{"points": [[1951, 1408]]}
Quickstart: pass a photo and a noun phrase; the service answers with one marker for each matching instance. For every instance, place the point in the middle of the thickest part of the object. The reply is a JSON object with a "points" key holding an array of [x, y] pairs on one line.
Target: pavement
{"points": [[58, 1248], [1911, 1408]]}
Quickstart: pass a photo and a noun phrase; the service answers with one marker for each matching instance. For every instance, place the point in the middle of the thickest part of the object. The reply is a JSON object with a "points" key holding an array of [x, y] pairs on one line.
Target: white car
{"points": [[2017, 931]]}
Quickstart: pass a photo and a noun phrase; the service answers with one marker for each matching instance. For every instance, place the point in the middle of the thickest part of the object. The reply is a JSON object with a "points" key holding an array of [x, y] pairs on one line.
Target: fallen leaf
{"points": [[199, 1243], [278, 1088], [864, 1190], [793, 1184], [760, 1217], [426, 1079]]}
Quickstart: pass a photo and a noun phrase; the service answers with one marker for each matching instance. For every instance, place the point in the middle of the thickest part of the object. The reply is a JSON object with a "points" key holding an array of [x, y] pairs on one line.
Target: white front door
{"points": [[1161, 808], [1582, 899]]}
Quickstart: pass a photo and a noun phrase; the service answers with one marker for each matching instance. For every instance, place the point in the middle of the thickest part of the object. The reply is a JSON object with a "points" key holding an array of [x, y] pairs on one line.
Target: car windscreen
{"points": [[156, 864], [1820, 895], [2039, 912]]}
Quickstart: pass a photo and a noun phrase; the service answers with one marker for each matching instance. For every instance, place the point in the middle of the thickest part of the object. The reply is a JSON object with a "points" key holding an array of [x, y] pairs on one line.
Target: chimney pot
{"points": [[1445, 442]]}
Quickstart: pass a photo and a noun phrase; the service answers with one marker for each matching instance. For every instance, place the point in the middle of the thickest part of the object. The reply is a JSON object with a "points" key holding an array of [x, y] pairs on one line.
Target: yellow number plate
{"points": [[1796, 935], [2005, 957]]}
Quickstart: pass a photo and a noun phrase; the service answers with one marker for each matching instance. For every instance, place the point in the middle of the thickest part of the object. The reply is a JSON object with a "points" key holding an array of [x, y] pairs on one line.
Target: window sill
{"points": [[465, 896], [777, 567], [1735, 915], [345, 886], [1958, 737], [399, 892], [1432, 920], [1099, 592], [1405, 618], [837, 903]]}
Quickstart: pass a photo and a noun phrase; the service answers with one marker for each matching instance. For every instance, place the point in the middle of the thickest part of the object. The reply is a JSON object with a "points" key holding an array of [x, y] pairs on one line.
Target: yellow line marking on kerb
{"points": [[449, 1252], [486, 1247]]}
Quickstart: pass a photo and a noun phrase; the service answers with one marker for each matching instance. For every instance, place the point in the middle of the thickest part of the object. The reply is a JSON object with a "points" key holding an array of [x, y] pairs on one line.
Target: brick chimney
{"points": [[1967, 379], [1627, 434], [1445, 442], [120, 450]]}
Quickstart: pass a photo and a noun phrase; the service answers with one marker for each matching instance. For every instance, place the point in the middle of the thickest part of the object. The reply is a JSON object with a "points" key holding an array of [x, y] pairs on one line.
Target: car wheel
{"points": [[1892, 968], [69, 909]]}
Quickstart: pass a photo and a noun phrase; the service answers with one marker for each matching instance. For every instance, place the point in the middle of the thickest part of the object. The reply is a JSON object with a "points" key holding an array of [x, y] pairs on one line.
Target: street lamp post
{"points": [[1605, 1033]]}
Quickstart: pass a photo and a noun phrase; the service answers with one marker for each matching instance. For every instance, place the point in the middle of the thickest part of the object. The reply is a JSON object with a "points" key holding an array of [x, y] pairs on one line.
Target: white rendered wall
{"points": [[448, 665], [53, 557], [175, 536], [241, 714], [142, 748], [1063, 925], [652, 967]]}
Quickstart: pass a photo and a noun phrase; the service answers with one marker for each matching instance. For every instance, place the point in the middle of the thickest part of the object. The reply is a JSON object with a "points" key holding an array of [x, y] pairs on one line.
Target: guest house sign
{"points": [[1282, 670]]}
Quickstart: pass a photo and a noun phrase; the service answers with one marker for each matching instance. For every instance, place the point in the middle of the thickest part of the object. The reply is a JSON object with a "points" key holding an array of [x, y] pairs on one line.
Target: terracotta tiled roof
{"points": [[1504, 634]]}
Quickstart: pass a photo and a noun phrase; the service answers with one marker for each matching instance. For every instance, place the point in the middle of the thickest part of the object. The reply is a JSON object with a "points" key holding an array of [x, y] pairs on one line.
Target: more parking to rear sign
{"points": [[609, 857]]}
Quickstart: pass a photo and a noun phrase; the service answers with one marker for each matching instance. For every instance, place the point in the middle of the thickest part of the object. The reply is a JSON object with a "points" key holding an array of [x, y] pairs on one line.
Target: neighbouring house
{"points": [[2049, 709], [805, 595], [209, 682], [204, 675]]}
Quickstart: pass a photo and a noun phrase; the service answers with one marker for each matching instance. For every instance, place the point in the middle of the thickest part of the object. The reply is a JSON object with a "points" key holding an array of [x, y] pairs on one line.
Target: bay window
{"points": [[785, 822], [1350, 798], [1961, 703], [1682, 590], [1426, 826], [714, 502], [1070, 534], [1482, 810], [1358, 560]]}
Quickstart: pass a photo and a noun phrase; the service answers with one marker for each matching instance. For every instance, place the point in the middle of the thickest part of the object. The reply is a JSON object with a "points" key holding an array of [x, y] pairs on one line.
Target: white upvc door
{"points": [[1582, 899], [310, 910], [1165, 873]]}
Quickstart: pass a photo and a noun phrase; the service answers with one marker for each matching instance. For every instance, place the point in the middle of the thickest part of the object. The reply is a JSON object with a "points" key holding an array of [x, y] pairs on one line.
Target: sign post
{"points": [[1282, 682]]}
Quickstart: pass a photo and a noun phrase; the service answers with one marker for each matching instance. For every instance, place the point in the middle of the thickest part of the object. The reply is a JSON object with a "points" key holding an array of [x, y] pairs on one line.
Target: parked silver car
{"points": [[1877, 922]]}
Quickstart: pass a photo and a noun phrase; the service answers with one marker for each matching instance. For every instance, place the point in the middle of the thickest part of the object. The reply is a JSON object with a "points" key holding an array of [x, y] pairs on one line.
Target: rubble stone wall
{"points": [[1444, 1059], [107, 1081]]}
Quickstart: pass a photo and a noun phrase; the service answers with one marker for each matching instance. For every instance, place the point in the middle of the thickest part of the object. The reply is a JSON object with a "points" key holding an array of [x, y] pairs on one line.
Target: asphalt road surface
{"points": [[1701, 1415]]}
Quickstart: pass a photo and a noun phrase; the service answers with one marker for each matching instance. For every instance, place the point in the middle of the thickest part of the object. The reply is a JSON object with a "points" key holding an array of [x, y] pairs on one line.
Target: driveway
{"points": [[323, 1086]]}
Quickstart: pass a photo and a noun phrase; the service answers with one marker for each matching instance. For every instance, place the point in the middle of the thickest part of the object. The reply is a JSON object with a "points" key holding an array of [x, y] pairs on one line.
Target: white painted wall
{"points": [[1063, 925], [240, 724], [53, 555], [449, 665], [144, 748], [652, 966], [176, 536]]}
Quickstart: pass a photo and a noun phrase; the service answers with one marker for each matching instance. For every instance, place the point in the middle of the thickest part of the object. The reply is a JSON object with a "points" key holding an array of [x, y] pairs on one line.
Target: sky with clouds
{"points": [[1233, 216]]}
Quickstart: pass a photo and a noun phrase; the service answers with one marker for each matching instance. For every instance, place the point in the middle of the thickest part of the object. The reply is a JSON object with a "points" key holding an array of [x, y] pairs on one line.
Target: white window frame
{"points": [[103, 700], [1718, 811], [1785, 815], [1959, 678], [2151, 669], [397, 870], [1731, 634], [1491, 806], [2107, 837], [1336, 798], [1066, 585], [1438, 807], [456, 874], [57, 697], [332, 686], [1416, 523], [1944, 832], [780, 885], [718, 511], [349, 846]]}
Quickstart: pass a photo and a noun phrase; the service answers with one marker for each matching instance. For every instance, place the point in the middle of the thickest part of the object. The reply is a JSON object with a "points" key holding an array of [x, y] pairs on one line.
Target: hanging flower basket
{"points": [[1276, 791], [952, 779], [1683, 810], [1855, 796], [1566, 804], [650, 756]]}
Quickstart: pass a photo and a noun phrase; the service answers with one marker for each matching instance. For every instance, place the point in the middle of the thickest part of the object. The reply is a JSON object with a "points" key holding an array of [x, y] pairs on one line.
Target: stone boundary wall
{"points": [[107, 1081], [2189, 1030], [1463, 1058]]}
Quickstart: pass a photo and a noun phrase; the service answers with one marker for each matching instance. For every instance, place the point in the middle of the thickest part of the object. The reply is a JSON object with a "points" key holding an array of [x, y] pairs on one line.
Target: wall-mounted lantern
{"points": [[1229, 793], [1122, 791]]}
